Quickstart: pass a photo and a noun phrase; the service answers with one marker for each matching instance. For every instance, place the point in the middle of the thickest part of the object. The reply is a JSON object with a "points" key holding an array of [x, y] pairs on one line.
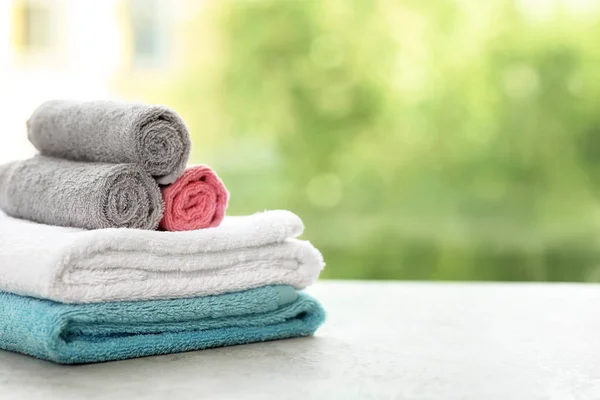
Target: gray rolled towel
{"points": [[79, 194], [113, 132]]}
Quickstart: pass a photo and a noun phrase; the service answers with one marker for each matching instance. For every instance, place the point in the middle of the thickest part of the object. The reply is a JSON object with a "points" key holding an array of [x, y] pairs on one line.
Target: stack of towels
{"points": [[111, 249]]}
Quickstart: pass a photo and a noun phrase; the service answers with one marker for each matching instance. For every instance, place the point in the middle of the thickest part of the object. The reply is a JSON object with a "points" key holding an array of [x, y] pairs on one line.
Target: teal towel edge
{"points": [[99, 332]]}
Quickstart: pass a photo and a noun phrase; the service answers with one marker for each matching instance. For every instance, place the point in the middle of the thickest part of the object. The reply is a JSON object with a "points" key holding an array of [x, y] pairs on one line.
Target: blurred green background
{"points": [[442, 139], [439, 139]]}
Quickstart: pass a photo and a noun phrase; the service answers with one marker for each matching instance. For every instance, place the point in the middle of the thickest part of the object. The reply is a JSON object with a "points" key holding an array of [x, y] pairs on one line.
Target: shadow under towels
{"points": [[152, 136], [78, 194], [87, 333]]}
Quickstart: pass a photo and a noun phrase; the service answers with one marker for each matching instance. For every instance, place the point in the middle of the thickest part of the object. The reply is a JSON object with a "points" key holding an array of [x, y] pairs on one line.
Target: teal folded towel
{"points": [[88, 333]]}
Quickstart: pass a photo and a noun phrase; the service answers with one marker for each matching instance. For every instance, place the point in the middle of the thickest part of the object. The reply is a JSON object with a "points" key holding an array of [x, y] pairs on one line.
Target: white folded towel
{"points": [[80, 266]]}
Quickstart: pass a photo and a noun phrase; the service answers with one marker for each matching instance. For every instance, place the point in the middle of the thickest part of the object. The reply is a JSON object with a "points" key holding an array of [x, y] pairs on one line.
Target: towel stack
{"points": [[76, 287]]}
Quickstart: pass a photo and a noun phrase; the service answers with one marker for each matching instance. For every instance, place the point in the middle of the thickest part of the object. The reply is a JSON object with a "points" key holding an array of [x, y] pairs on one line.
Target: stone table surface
{"points": [[381, 341]]}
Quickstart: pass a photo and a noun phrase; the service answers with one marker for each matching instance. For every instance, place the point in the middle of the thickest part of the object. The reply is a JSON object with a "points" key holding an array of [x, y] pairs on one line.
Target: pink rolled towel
{"points": [[196, 200]]}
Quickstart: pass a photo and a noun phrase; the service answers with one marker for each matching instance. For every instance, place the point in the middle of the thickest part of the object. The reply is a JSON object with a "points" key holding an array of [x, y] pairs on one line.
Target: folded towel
{"points": [[196, 200], [106, 131], [78, 194], [87, 333], [75, 266]]}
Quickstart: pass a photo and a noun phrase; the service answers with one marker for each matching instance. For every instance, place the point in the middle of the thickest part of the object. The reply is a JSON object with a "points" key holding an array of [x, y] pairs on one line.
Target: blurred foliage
{"points": [[446, 139]]}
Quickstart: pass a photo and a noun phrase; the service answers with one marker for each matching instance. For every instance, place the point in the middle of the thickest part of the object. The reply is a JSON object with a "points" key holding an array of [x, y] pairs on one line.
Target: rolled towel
{"points": [[88, 333], [76, 266], [196, 200], [154, 137], [78, 194]]}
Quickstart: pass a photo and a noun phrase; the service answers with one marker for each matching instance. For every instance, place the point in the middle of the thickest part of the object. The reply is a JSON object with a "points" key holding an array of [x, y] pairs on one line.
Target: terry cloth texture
{"points": [[88, 333], [76, 266], [154, 137], [78, 194], [196, 200]]}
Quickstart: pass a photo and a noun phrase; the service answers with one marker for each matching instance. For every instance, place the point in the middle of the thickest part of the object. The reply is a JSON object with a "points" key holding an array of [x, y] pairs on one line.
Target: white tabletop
{"points": [[382, 340]]}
